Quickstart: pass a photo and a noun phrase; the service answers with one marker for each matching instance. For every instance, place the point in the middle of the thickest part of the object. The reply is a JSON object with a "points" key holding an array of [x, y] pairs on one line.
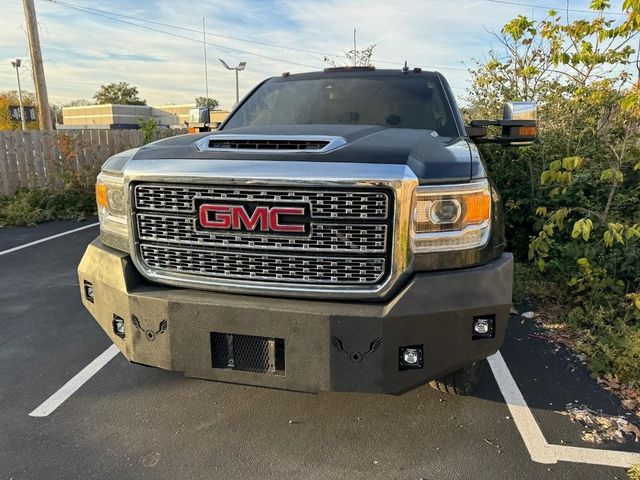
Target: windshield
{"points": [[397, 102]]}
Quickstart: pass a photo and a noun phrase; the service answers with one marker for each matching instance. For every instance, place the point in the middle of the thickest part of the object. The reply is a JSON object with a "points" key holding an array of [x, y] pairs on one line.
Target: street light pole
{"points": [[241, 66], [237, 88], [16, 65]]}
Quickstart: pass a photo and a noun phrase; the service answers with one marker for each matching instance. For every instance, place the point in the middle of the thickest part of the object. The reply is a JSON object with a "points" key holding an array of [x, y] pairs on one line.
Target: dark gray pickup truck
{"points": [[338, 232]]}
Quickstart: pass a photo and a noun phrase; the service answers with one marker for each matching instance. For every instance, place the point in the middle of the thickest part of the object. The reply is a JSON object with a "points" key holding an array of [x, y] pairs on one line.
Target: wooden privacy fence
{"points": [[35, 158]]}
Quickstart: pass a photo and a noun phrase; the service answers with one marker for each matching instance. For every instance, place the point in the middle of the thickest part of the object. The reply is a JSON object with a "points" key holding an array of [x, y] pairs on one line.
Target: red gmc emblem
{"points": [[223, 216]]}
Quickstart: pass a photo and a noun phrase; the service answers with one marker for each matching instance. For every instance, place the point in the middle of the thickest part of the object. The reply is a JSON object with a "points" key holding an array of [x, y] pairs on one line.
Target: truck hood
{"points": [[433, 159]]}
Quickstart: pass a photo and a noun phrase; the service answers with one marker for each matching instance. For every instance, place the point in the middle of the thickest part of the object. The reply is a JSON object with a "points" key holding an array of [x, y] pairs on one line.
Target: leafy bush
{"points": [[70, 196], [572, 201], [148, 128], [28, 207]]}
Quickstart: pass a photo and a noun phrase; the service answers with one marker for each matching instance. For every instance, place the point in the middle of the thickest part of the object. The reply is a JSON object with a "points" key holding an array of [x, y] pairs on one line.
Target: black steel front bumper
{"points": [[328, 345]]}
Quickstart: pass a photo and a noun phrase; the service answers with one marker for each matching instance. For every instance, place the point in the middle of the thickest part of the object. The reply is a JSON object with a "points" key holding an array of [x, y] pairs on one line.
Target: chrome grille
{"points": [[348, 240]]}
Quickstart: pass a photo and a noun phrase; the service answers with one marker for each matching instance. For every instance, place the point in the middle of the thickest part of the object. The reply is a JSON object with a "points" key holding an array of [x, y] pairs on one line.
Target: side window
{"points": [[442, 114]]}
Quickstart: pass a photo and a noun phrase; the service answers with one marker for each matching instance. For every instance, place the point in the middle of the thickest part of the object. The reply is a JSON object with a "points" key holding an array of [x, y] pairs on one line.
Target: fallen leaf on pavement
{"points": [[631, 428], [599, 428]]}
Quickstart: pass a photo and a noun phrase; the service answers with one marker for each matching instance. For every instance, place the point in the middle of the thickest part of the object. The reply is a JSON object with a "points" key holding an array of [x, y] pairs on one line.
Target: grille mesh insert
{"points": [[323, 237], [324, 204], [285, 268]]}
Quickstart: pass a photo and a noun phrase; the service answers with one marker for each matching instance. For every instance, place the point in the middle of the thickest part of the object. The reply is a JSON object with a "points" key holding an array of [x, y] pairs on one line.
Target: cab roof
{"points": [[361, 72]]}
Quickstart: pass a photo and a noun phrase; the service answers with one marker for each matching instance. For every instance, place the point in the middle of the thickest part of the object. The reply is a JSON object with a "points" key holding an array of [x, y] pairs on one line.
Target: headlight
{"points": [[114, 230], [452, 217]]}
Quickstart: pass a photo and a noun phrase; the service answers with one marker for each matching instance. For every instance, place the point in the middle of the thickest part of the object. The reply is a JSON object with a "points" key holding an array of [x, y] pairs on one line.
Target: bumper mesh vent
{"points": [[247, 353]]}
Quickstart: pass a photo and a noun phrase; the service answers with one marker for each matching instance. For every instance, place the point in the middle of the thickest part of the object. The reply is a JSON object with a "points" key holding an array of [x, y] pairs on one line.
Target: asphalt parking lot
{"points": [[129, 421]]}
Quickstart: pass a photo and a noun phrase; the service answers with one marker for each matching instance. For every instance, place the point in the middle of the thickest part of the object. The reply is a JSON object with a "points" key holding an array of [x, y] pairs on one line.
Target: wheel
{"points": [[460, 382]]}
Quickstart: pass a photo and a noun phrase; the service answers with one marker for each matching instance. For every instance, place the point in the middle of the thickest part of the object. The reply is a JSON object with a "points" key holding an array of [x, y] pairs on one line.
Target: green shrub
{"points": [[28, 207], [148, 128], [70, 197]]}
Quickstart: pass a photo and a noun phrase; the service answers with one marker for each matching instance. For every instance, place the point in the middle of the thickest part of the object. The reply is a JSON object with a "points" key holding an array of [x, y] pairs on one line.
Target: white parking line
{"points": [[539, 449], [522, 416], [58, 398], [533, 438], [30, 244]]}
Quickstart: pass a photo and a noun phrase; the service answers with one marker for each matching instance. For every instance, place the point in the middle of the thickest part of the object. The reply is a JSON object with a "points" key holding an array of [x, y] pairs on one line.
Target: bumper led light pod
{"points": [[483, 327], [118, 326], [411, 357]]}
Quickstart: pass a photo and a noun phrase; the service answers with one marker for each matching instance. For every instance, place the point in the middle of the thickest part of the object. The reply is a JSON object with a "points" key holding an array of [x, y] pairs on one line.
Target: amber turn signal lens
{"points": [[102, 198], [478, 207], [528, 131]]}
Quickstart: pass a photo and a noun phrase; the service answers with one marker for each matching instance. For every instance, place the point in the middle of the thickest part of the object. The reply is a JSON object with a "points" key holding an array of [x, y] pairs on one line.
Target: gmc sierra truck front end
{"points": [[338, 232]]}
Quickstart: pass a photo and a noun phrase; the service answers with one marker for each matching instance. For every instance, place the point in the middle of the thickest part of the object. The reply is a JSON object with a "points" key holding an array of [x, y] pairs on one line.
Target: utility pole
{"points": [[36, 63], [16, 65], [206, 75], [355, 50]]}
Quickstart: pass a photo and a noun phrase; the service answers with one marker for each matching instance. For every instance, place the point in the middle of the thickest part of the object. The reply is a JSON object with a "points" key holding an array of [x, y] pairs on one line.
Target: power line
{"points": [[187, 29], [531, 5], [111, 15], [81, 9]]}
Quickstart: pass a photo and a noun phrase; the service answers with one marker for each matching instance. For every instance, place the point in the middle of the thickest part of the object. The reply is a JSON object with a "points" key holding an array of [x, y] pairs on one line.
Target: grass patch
{"points": [[29, 207]]}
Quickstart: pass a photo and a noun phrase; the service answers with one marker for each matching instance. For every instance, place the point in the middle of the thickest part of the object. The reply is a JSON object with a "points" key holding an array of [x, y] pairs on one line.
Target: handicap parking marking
{"points": [[58, 398], [539, 449], [46, 239]]}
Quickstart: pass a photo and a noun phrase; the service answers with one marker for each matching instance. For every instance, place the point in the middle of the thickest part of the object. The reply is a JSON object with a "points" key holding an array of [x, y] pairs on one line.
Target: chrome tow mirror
{"points": [[519, 126]]}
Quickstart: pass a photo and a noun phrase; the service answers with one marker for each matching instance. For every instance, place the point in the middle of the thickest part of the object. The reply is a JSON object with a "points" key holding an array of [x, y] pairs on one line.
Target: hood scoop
{"points": [[270, 143]]}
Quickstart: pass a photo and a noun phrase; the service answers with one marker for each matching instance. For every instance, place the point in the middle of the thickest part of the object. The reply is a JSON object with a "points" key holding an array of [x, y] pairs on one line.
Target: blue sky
{"points": [[82, 50]]}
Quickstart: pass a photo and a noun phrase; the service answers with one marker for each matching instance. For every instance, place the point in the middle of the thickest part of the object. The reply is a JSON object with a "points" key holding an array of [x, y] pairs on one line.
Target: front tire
{"points": [[462, 382]]}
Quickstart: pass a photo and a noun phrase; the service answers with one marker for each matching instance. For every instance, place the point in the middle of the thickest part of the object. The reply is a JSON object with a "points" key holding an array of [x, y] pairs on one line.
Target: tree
{"points": [[10, 99], [572, 200], [353, 57], [119, 94], [78, 102], [212, 103]]}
